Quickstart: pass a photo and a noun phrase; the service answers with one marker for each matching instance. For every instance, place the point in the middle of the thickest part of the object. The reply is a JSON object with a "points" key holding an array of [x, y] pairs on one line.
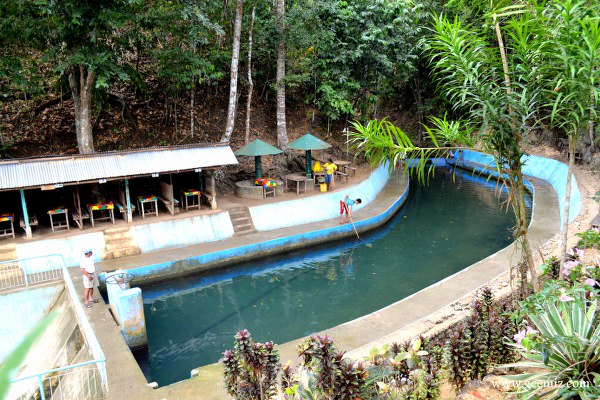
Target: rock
{"points": [[595, 162]]}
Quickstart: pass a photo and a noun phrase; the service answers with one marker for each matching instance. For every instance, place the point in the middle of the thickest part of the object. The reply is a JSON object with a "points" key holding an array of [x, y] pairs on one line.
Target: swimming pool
{"points": [[444, 227]]}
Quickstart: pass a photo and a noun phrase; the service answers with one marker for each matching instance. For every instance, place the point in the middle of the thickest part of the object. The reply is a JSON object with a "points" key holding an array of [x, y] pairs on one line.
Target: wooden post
{"points": [[28, 233], [79, 207], [128, 200], [213, 191]]}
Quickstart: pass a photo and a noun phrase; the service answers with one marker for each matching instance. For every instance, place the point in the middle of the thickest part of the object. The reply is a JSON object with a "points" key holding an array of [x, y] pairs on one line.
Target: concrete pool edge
{"points": [[208, 384], [350, 335], [213, 255]]}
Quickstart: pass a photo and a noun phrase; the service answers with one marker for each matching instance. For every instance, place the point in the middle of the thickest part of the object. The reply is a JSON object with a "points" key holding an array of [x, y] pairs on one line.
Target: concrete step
{"points": [[241, 227], [112, 246], [117, 236], [117, 230], [239, 214], [240, 219], [120, 253], [8, 246], [245, 233]]}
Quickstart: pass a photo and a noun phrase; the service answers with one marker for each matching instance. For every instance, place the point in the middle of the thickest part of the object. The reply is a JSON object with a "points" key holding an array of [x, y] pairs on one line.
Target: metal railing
{"points": [[86, 380], [27, 271], [73, 382]]}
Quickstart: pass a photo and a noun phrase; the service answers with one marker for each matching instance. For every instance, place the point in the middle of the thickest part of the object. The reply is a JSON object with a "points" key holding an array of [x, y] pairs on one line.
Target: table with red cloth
{"points": [[7, 217], [59, 224], [151, 200], [100, 208], [190, 198]]}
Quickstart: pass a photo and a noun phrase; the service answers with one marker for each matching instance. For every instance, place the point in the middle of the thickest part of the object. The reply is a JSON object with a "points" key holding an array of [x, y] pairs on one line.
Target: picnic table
{"points": [[151, 200], [344, 169], [100, 207], [5, 232], [299, 179], [59, 224], [190, 198]]}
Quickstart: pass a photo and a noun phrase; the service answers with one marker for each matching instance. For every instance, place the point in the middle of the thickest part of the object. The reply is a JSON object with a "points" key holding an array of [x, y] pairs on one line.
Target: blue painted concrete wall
{"points": [[367, 192], [317, 208], [183, 232], [71, 248], [21, 311], [130, 308], [552, 171], [150, 237]]}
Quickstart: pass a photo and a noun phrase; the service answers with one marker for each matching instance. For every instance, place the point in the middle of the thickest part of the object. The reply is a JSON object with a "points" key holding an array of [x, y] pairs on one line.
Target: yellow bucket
{"points": [[323, 187]]}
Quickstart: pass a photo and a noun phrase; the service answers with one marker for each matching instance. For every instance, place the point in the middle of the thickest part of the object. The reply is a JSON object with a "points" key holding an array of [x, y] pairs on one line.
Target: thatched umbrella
{"points": [[257, 148], [308, 142]]}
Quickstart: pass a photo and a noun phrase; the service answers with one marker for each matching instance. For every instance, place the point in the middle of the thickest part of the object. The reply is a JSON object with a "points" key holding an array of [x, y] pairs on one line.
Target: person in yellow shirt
{"points": [[330, 169]]}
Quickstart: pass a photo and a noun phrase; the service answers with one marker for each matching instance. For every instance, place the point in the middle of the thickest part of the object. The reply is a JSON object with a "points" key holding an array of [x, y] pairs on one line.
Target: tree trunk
{"points": [[235, 60], [250, 81], [282, 138], [192, 108], [81, 81], [565, 220]]}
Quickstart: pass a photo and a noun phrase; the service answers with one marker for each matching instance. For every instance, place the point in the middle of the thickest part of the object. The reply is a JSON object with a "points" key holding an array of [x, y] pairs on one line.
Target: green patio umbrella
{"points": [[257, 148], [308, 142]]}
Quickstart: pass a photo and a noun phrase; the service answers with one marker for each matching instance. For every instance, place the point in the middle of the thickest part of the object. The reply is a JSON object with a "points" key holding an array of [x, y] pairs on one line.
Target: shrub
{"points": [[251, 368], [563, 342], [588, 239]]}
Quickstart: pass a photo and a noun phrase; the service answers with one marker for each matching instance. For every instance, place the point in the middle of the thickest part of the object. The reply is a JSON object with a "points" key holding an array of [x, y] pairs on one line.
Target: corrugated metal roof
{"points": [[27, 173]]}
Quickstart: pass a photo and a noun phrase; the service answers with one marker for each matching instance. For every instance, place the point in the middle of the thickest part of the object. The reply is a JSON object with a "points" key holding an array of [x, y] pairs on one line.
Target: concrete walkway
{"points": [[127, 381]]}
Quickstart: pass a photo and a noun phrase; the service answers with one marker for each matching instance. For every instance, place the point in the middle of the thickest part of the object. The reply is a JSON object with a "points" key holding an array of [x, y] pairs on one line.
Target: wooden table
{"points": [[190, 198], [103, 206], [151, 200], [298, 178], [59, 224], [344, 166], [5, 232]]}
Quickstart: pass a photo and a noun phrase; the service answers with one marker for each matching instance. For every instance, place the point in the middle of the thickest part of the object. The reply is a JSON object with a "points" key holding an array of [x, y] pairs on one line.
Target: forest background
{"points": [[89, 76]]}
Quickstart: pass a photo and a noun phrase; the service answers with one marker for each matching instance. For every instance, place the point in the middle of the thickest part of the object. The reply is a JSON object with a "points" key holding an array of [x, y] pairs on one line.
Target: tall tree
{"points": [[250, 81], [282, 137], [233, 82], [570, 46], [473, 74], [81, 37]]}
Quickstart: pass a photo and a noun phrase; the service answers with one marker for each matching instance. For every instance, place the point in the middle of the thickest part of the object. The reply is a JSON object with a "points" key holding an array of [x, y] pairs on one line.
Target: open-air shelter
{"points": [[308, 143], [54, 173], [257, 148]]}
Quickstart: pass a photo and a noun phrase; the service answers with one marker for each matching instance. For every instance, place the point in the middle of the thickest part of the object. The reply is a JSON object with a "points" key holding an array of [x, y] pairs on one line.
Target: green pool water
{"points": [[445, 226]]}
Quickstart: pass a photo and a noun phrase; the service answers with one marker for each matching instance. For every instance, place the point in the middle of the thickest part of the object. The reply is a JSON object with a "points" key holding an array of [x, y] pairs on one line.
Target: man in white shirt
{"points": [[90, 280]]}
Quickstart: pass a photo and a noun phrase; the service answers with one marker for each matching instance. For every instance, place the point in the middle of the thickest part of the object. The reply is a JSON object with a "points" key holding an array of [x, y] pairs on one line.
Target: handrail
{"points": [[51, 371], [84, 323]]}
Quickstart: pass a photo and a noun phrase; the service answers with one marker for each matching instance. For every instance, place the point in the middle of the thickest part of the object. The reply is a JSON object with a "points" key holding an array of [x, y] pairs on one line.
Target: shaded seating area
{"points": [[89, 188]]}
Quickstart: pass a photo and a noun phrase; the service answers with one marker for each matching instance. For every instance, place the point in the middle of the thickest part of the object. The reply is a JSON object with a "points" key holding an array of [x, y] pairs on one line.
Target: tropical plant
{"points": [[251, 368], [473, 74], [561, 344], [588, 239], [569, 43]]}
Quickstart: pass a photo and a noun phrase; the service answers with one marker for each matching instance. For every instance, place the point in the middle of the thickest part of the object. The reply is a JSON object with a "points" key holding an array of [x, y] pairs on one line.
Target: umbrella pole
{"points": [[308, 164], [257, 167]]}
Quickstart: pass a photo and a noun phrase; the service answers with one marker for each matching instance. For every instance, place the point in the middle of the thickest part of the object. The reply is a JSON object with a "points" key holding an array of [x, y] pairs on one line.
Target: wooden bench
{"points": [[123, 209], [172, 206], [33, 221], [79, 220], [350, 169], [341, 175]]}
